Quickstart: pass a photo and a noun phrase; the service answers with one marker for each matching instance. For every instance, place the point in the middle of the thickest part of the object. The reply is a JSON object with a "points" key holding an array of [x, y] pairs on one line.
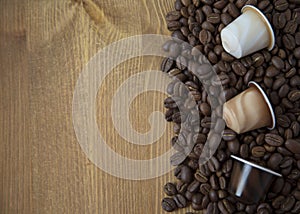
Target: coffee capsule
{"points": [[249, 110], [249, 182], [248, 33]]}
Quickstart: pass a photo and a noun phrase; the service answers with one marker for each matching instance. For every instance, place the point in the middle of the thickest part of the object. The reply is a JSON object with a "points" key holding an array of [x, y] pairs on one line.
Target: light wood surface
{"points": [[44, 45]]}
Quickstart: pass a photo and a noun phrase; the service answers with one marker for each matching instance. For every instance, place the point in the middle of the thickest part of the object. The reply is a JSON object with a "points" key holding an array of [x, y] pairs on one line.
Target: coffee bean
{"points": [[297, 52], [290, 27], [173, 16], [213, 164], [208, 2], [226, 18], [258, 151], [288, 203], [293, 145], [197, 198], [227, 166], [296, 208], [295, 81], [228, 135], [168, 204], [167, 64], [207, 10], [205, 37], [213, 18], [281, 5], [286, 162], [213, 195], [278, 83], [170, 189], [180, 201], [238, 68], [278, 185], [244, 151], [283, 121], [233, 146], [283, 91], [274, 161], [289, 42], [178, 35], [273, 139], [294, 95], [200, 177], [225, 206], [278, 201], [205, 109], [205, 188], [212, 208], [277, 62], [194, 186], [233, 10]]}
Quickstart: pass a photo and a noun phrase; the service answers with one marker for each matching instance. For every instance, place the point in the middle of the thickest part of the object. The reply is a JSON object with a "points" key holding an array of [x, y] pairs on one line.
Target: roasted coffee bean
{"points": [[272, 71], [278, 83], [226, 206], [284, 151], [273, 139], [213, 180], [286, 162], [213, 164], [167, 64], [293, 145], [212, 208], [197, 198], [168, 204], [295, 81], [295, 126], [290, 27], [283, 91], [205, 188], [296, 208], [226, 18], [170, 189], [207, 10], [283, 121], [180, 201], [274, 161], [227, 166], [233, 146], [278, 201], [281, 5], [178, 35], [288, 204], [238, 68], [213, 18], [205, 109], [194, 186], [228, 135], [200, 177], [205, 36], [258, 151], [297, 52], [173, 16], [233, 10], [294, 95], [295, 174], [278, 185], [213, 196], [289, 42], [263, 4], [277, 62], [244, 151]]}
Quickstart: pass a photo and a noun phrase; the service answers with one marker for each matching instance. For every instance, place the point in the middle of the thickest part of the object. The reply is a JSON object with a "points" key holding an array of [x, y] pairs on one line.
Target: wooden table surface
{"points": [[44, 45]]}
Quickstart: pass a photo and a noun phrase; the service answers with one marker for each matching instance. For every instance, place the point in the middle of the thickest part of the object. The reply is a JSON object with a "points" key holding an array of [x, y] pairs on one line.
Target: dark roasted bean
{"points": [[168, 204]]}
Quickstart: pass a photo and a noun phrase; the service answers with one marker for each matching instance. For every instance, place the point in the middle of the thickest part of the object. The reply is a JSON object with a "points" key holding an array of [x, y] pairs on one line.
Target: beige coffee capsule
{"points": [[249, 110]]}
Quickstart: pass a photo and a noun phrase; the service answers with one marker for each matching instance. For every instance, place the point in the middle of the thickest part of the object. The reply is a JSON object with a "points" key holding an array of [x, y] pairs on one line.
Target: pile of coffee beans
{"points": [[204, 186]]}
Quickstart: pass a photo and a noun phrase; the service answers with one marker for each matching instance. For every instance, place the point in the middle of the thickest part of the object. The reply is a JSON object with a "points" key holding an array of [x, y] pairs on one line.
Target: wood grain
{"points": [[44, 45]]}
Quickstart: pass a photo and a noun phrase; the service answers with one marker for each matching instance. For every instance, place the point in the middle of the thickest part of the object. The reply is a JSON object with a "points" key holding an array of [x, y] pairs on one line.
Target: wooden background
{"points": [[44, 45]]}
